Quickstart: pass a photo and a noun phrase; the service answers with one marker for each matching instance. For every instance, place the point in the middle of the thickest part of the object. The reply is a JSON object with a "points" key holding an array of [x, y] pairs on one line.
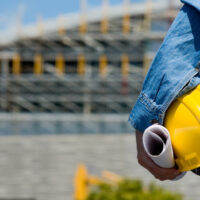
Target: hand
{"points": [[144, 160]]}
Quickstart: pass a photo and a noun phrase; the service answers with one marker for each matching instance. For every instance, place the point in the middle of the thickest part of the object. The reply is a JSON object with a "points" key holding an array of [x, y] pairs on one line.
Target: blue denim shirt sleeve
{"points": [[174, 67], [194, 3]]}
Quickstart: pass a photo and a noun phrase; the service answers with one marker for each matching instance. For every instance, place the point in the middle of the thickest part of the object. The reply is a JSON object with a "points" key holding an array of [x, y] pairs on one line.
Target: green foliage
{"points": [[131, 190]]}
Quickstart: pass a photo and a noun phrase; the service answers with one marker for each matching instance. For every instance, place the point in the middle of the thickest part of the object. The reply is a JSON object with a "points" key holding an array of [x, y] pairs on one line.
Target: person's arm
{"points": [[174, 68], [145, 161]]}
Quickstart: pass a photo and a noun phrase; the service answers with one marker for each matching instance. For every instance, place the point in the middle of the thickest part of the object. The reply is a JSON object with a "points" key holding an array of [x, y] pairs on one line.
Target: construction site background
{"points": [[80, 73], [67, 86]]}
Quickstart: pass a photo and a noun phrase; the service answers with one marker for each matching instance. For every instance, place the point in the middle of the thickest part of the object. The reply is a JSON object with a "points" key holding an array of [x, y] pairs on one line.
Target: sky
{"points": [[30, 10]]}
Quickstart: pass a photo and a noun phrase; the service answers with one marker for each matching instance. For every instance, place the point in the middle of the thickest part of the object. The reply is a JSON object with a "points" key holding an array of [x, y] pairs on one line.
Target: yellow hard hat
{"points": [[183, 122]]}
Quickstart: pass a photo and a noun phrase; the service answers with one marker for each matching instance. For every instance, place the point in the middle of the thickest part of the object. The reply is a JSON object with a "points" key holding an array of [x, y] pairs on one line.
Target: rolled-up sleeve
{"points": [[174, 65]]}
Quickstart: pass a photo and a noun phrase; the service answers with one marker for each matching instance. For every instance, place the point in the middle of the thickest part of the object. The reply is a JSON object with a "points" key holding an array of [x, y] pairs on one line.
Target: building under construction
{"points": [[87, 67]]}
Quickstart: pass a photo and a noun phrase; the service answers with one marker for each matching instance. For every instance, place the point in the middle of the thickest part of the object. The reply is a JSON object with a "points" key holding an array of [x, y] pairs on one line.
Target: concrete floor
{"points": [[43, 167]]}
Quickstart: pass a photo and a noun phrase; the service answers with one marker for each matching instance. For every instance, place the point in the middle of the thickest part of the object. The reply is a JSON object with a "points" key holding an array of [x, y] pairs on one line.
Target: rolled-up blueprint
{"points": [[157, 144]]}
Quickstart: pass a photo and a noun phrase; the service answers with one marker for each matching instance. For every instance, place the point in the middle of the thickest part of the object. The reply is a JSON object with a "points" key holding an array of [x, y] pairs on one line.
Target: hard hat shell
{"points": [[183, 122]]}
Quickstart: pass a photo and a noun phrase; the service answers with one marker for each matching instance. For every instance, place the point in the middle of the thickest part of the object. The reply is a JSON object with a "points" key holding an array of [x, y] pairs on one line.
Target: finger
{"points": [[159, 172], [148, 163], [172, 171], [166, 174]]}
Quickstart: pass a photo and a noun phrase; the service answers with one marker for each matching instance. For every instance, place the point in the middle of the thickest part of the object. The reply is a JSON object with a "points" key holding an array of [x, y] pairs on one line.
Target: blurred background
{"points": [[70, 73]]}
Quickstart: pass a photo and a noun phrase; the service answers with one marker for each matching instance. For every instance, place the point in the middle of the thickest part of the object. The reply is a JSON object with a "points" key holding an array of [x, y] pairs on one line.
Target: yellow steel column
{"points": [[125, 65], [16, 68], [124, 71], [40, 26], [19, 25], [104, 21], [148, 15], [60, 64], [104, 25], [103, 64], [126, 18], [80, 183], [83, 27], [126, 24], [147, 59], [81, 65], [61, 25], [38, 68], [83, 22]]}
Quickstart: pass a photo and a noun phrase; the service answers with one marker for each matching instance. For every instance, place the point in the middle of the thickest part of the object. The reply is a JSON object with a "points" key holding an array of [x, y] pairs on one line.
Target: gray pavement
{"points": [[43, 167]]}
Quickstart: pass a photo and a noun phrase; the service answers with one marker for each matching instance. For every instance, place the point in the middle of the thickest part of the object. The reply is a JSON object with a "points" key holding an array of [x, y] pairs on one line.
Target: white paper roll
{"points": [[157, 144]]}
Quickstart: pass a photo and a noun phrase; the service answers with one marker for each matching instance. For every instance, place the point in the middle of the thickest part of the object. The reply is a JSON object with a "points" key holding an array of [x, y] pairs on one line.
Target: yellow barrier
{"points": [[60, 64], [81, 189], [16, 68], [38, 68], [83, 181], [111, 176], [103, 63]]}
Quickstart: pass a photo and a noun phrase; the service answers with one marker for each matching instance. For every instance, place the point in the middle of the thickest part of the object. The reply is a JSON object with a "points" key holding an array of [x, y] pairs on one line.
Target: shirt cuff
{"points": [[144, 113]]}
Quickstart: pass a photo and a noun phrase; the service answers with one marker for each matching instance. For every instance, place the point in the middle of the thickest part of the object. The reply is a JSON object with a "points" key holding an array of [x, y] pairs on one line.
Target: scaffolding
{"points": [[95, 66]]}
